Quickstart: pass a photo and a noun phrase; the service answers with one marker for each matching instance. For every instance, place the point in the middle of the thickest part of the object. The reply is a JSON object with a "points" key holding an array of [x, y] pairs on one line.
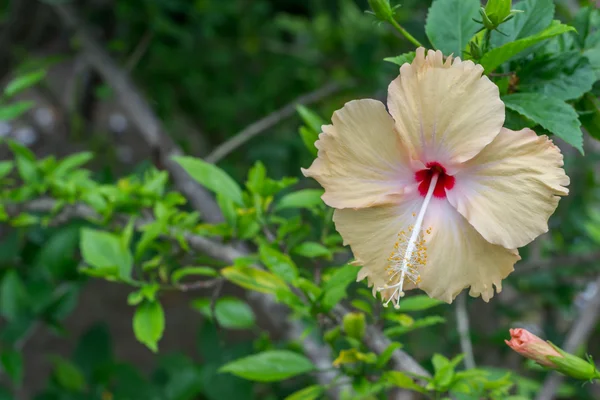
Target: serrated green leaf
{"points": [[269, 366], [23, 82], [536, 16], [149, 324], [15, 110], [180, 273], [71, 162], [254, 279], [401, 59], [498, 56], [13, 296], [106, 251], [552, 114], [308, 393], [310, 118], [352, 356], [5, 168], [334, 289], [309, 137], [278, 263], [231, 313], [312, 250], [26, 162], [450, 24], [564, 76], [403, 381], [211, 177], [419, 323], [12, 363], [418, 302], [305, 198], [385, 355], [67, 375]]}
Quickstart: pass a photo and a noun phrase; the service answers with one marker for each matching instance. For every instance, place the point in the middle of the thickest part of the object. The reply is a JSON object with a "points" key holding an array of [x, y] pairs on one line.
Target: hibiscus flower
{"points": [[436, 194]]}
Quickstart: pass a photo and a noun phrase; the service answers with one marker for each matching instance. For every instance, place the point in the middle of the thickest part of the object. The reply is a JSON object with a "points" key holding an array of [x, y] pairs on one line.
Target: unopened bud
{"points": [[497, 10], [530, 346], [574, 366], [382, 9], [550, 356]]}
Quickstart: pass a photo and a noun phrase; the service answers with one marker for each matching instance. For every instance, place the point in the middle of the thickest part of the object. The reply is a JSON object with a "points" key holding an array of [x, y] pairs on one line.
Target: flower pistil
{"points": [[410, 252]]}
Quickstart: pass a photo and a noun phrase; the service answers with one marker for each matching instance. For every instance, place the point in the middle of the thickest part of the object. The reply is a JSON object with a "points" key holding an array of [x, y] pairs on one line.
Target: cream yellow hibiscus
{"points": [[436, 194]]}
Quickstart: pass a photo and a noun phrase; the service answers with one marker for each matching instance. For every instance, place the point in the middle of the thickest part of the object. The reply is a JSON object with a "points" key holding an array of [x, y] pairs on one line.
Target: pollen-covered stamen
{"points": [[409, 254]]}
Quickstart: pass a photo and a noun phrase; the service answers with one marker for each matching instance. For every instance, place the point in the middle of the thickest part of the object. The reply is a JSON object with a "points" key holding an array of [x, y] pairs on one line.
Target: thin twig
{"points": [[578, 336], [139, 51], [462, 322], [270, 120]]}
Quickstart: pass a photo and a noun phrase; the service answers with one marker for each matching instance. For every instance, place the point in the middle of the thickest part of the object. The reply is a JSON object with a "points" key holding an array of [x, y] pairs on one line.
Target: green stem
{"points": [[405, 33]]}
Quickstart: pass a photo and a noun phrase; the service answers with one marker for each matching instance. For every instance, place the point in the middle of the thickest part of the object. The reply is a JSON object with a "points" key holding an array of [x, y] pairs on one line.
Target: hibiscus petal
{"points": [[447, 112], [372, 233], [459, 257], [361, 162], [510, 189]]}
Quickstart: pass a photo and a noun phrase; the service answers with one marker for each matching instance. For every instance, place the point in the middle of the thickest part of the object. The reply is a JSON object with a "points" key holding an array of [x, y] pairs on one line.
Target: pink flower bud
{"points": [[528, 345]]}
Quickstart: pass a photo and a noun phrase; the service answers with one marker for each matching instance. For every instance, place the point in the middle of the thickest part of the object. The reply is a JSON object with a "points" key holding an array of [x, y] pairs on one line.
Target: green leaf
{"points": [[334, 289], [5, 168], [232, 313], [13, 296], [71, 162], [401, 59], [352, 356], [211, 177], [450, 24], [564, 76], [403, 381], [254, 279], [26, 162], [420, 323], [23, 82], [67, 375], [306, 198], [308, 393], [536, 16], [106, 252], [179, 274], [312, 250], [309, 137], [385, 355], [355, 325], [419, 302], [310, 118], [149, 324], [15, 110], [278, 263], [269, 366], [552, 114], [12, 363], [228, 209], [498, 56]]}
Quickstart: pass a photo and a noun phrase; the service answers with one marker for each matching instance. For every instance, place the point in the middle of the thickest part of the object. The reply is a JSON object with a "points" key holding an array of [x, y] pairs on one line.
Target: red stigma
{"points": [[445, 182]]}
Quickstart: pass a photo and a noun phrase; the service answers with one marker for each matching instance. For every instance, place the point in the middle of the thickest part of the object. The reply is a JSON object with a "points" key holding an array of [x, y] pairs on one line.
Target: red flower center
{"points": [[445, 182]]}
